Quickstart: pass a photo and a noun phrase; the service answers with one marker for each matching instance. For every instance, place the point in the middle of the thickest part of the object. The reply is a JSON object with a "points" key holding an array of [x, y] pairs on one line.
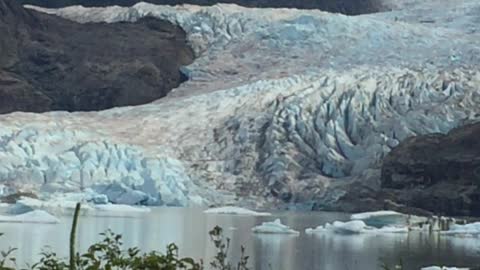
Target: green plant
{"points": [[6, 257], [222, 246], [73, 236]]}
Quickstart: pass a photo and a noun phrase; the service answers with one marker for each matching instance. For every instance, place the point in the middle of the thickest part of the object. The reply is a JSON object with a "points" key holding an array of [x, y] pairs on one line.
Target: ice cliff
{"points": [[281, 104], [67, 161]]}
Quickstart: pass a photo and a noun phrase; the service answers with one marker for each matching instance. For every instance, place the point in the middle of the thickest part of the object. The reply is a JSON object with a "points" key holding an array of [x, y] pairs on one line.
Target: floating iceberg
{"points": [[58, 205], [443, 268], [472, 229], [36, 216], [376, 214], [380, 218], [232, 210], [355, 227], [121, 208], [55, 205], [274, 227]]}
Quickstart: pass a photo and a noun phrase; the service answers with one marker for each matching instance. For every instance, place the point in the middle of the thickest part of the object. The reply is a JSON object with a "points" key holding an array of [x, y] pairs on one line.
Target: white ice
{"points": [[375, 214], [274, 227], [232, 210], [381, 218], [122, 208], [443, 268], [36, 216], [472, 229], [355, 227]]}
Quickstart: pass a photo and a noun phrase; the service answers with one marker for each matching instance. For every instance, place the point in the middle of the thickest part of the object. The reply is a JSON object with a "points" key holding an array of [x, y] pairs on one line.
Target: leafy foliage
{"points": [[108, 254], [222, 246]]}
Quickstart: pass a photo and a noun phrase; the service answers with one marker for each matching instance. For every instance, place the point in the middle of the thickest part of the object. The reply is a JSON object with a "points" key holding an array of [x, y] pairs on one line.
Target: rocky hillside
{"points": [[282, 108], [438, 172], [49, 63]]}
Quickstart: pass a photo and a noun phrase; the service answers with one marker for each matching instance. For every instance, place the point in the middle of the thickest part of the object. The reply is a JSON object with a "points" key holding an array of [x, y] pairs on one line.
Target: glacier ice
{"points": [[471, 229], [273, 227], [291, 103], [35, 216], [355, 227], [232, 210], [443, 268], [68, 162], [383, 218]]}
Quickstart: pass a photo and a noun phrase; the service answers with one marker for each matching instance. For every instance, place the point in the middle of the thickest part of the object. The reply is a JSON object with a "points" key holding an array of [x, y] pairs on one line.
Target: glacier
{"points": [[281, 106], [66, 161]]}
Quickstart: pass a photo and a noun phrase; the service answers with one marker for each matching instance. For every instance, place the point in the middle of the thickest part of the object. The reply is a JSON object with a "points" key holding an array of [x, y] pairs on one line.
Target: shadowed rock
{"points": [[440, 173], [49, 63]]}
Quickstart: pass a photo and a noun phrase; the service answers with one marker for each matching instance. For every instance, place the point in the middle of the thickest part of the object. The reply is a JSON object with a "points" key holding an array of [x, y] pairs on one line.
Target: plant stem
{"points": [[73, 236]]}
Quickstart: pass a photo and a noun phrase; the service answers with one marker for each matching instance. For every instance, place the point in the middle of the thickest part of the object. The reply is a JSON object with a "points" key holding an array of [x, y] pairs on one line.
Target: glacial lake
{"points": [[189, 229]]}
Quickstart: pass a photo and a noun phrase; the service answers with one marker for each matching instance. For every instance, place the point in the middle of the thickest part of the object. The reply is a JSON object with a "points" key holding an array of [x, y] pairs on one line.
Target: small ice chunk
{"points": [[231, 210], [355, 227], [443, 268], [56, 205], [274, 227], [350, 227], [121, 208], [391, 229], [35, 216], [367, 215], [467, 229], [380, 218]]}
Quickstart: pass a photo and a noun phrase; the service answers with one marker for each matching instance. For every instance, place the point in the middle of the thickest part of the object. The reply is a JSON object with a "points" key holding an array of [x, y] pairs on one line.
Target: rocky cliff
{"points": [[49, 63], [437, 172]]}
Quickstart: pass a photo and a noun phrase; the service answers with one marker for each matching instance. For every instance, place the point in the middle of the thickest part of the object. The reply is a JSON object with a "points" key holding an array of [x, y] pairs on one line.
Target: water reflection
{"points": [[278, 251], [189, 229]]}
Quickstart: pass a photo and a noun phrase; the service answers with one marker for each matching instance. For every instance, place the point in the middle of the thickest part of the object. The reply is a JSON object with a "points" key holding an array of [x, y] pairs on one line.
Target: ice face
{"points": [[63, 161]]}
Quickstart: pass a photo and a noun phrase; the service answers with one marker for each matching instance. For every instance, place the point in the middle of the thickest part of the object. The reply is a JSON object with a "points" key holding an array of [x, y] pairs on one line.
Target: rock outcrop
{"points": [[437, 172], [49, 63]]}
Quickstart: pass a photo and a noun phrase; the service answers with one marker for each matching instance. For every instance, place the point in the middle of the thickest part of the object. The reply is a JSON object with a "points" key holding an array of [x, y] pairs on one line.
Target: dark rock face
{"points": [[48, 63], [439, 173], [350, 7]]}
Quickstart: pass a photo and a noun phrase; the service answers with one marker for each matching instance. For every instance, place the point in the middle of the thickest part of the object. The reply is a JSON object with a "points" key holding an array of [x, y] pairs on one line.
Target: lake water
{"points": [[189, 229]]}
